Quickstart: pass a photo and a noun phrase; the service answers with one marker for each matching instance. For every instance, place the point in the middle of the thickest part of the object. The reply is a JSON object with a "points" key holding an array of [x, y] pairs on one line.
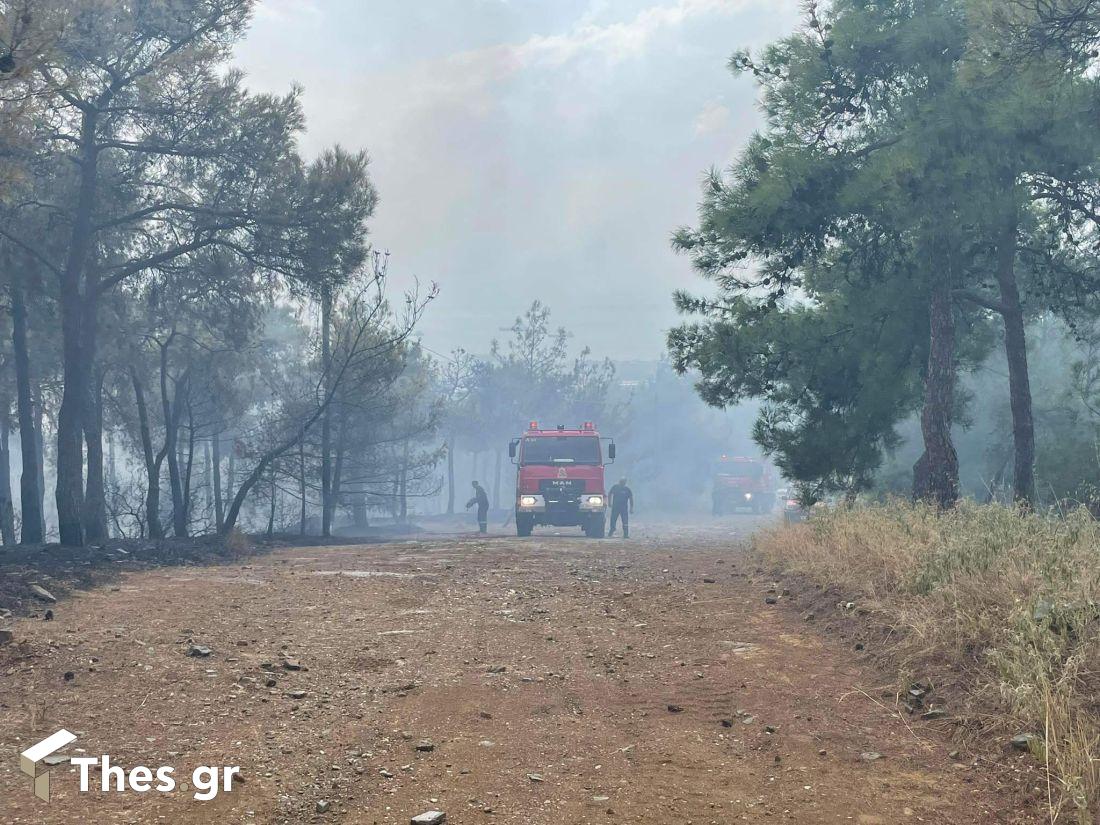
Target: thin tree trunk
{"points": [[219, 505], [95, 496], [451, 475], [208, 479], [7, 509], [30, 492], [231, 476], [271, 510], [152, 463], [403, 491], [936, 475], [339, 460], [40, 459], [302, 487], [327, 507], [1019, 382], [112, 461], [112, 485], [359, 506], [69, 490], [172, 410], [189, 465]]}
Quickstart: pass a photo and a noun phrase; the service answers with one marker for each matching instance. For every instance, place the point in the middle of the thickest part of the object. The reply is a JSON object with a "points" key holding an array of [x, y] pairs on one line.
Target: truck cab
{"points": [[560, 478], [742, 484]]}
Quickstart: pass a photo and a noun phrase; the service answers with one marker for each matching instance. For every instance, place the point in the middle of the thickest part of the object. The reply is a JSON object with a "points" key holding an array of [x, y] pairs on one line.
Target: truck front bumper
{"points": [[570, 513]]}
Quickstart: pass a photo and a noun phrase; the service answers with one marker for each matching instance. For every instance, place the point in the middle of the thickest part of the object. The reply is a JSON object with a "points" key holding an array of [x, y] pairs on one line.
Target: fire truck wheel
{"points": [[524, 524], [596, 527]]}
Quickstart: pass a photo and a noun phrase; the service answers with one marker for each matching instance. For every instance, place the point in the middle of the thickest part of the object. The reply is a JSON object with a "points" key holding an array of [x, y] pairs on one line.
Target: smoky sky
{"points": [[527, 148]]}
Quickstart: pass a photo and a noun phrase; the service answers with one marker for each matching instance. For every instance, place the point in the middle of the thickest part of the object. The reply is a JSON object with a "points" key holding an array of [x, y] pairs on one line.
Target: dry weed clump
{"points": [[237, 545], [1012, 598]]}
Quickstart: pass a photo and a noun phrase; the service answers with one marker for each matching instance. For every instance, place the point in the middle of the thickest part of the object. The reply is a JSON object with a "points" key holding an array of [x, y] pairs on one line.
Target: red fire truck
{"points": [[560, 480], [743, 483]]}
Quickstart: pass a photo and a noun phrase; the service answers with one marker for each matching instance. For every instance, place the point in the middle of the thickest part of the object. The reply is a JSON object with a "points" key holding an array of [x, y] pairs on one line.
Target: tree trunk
{"points": [[153, 463], [171, 407], [72, 296], [403, 484], [208, 479], [95, 496], [231, 476], [271, 510], [339, 459], [359, 506], [327, 505], [112, 462], [1019, 382], [30, 493], [40, 459], [69, 491], [7, 509], [936, 474], [190, 466], [451, 475], [302, 487], [219, 505]]}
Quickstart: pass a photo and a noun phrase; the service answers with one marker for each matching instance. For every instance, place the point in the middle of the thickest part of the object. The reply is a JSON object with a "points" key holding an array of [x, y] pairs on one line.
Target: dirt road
{"points": [[543, 680]]}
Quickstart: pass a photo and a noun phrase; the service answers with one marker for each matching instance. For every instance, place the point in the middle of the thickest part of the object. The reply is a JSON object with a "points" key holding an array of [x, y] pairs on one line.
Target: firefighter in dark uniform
{"points": [[622, 504], [481, 499]]}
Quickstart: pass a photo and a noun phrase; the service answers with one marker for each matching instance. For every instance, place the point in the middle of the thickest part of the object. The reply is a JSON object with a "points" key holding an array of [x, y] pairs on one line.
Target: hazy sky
{"points": [[527, 148]]}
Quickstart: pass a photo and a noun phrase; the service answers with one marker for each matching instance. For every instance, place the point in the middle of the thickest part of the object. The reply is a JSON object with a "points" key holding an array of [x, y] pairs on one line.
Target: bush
{"points": [[237, 544], [1012, 599]]}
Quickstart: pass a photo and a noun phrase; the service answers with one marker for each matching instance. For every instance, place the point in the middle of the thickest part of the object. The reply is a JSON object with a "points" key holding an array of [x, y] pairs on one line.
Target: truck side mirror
{"points": [[512, 448], [611, 450]]}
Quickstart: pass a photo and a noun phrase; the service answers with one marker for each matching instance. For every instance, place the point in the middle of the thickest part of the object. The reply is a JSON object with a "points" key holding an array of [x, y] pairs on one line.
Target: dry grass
{"points": [[238, 545], [1012, 599]]}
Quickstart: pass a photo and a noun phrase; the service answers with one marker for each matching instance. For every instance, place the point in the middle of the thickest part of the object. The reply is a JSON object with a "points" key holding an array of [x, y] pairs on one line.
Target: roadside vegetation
{"points": [[904, 265], [1007, 598]]}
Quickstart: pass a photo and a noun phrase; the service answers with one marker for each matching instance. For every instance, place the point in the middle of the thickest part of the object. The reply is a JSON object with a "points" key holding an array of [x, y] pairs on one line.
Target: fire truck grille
{"points": [[561, 490]]}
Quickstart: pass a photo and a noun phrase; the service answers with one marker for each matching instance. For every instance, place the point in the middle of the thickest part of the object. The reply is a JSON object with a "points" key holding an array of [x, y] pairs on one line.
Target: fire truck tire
{"points": [[596, 527], [524, 524]]}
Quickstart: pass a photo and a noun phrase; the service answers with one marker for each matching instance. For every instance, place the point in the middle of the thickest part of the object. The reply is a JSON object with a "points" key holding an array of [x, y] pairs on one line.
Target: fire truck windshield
{"points": [[562, 449]]}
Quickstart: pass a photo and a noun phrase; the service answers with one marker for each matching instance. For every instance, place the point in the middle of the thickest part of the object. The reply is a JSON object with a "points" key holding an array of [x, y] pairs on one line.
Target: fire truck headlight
{"points": [[748, 496], [595, 501], [528, 501]]}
